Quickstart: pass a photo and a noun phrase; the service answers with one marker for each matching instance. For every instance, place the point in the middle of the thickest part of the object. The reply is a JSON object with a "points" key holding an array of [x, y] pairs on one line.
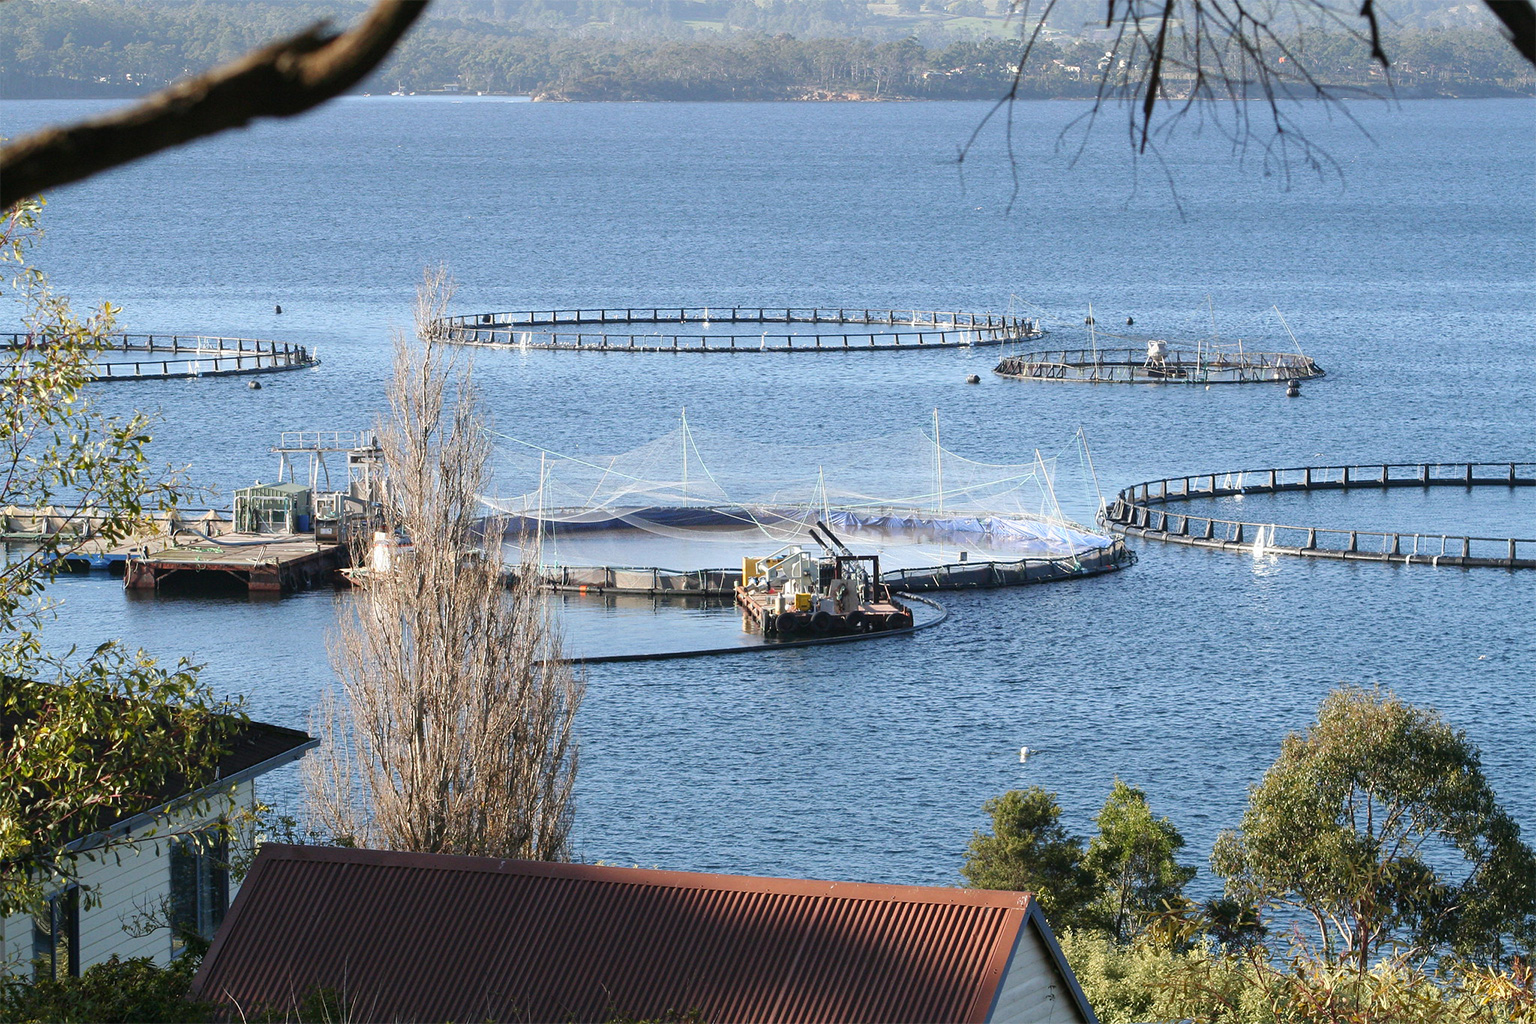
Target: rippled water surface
{"points": [[1412, 282]]}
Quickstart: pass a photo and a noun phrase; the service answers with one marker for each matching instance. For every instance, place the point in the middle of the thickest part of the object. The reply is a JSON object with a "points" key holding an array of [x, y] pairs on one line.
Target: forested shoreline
{"points": [[95, 49]]}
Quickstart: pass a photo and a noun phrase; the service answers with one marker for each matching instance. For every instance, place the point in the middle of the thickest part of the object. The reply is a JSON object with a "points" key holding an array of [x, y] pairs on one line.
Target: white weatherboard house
{"points": [[155, 874]]}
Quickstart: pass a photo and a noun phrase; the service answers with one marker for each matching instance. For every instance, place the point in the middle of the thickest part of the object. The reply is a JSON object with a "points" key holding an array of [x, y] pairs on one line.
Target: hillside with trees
{"points": [[699, 50]]}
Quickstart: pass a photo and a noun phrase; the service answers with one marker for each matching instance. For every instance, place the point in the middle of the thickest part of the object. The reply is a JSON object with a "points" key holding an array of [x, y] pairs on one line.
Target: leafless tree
{"points": [[453, 733]]}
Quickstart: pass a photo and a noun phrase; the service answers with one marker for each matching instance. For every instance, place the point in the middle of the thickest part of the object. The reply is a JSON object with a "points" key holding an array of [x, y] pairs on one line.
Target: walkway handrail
{"points": [[1135, 513], [1178, 357], [737, 314]]}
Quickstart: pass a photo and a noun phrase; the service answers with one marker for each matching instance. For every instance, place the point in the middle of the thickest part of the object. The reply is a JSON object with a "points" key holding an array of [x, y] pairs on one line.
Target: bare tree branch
{"points": [[1519, 17], [285, 78], [1368, 12]]}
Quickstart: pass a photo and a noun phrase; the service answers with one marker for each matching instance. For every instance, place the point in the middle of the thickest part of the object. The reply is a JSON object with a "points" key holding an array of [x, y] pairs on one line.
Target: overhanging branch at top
{"points": [[282, 79]]}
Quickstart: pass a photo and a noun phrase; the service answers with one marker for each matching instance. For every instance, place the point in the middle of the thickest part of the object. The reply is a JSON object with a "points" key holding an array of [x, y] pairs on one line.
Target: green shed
{"points": [[273, 508]]}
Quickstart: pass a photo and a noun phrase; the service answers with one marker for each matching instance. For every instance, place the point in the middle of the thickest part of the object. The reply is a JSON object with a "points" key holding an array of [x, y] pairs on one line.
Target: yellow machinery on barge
{"points": [[794, 594]]}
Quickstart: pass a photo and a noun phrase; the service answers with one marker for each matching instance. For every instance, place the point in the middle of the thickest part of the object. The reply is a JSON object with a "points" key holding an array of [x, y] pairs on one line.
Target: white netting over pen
{"points": [[697, 499]]}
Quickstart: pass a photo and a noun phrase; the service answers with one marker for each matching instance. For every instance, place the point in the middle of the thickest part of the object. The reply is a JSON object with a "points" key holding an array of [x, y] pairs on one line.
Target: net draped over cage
{"points": [[695, 499]]}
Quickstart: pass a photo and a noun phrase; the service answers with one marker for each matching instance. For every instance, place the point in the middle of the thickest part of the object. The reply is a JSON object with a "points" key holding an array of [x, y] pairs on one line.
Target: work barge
{"points": [[792, 593], [284, 536], [695, 329], [1140, 511], [279, 538]]}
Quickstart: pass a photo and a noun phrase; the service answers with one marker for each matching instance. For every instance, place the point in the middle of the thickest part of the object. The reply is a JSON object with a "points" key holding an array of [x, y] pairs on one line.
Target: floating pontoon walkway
{"points": [[1137, 512], [624, 330], [990, 575], [955, 576], [1177, 366], [172, 356], [78, 542]]}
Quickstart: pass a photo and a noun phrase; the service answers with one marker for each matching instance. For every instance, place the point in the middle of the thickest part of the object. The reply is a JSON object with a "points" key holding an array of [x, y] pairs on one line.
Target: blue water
{"points": [[1411, 279]]}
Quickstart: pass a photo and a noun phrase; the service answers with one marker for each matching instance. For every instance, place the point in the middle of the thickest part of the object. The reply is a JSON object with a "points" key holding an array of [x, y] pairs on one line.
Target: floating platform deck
{"points": [[276, 564]]}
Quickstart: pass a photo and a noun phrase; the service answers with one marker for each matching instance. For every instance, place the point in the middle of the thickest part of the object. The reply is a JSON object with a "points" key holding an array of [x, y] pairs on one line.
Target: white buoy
{"points": [[1024, 753]]}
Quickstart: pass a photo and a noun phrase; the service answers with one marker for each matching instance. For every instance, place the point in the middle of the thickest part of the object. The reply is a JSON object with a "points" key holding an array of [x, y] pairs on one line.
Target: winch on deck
{"points": [[793, 593]]}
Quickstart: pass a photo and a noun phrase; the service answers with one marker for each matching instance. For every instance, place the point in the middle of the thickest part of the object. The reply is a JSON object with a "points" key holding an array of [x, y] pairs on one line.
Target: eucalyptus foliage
{"points": [[1030, 850], [1378, 824], [1129, 983], [1126, 873], [1132, 860], [84, 740]]}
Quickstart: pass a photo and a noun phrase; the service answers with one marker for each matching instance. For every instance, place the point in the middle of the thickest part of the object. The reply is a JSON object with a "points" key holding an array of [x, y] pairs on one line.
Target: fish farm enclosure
{"points": [[678, 515], [164, 356], [1137, 511], [724, 329], [1159, 363]]}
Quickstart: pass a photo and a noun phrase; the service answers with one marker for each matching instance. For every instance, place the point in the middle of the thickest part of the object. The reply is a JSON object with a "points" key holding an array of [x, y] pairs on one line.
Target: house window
{"points": [[199, 886], [56, 937]]}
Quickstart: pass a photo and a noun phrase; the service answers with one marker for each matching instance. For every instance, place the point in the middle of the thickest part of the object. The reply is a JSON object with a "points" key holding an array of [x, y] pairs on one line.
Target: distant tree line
{"points": [[50, 49]]}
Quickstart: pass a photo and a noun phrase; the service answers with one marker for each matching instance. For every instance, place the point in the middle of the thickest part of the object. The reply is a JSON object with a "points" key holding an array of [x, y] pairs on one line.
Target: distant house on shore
{"points": [[417, 937], [155, 874]]}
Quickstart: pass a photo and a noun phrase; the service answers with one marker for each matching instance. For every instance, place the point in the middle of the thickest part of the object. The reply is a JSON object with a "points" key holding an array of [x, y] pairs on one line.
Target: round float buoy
{"points": [[973, 379], [254, 385], [1128, 321], [1088, 320], [278, 309], [1293, 389]]}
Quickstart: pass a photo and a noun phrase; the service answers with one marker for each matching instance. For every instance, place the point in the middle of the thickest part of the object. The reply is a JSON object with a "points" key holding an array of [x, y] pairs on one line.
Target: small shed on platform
{"points": [[273, 508], [418, 937]]}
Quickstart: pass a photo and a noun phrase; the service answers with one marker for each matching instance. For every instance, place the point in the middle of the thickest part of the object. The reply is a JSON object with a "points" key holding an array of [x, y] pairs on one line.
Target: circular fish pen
{"points": [[708, 507], [175, 356], [1139, 511], [1159, 363], [737, 329], [785, 525]]}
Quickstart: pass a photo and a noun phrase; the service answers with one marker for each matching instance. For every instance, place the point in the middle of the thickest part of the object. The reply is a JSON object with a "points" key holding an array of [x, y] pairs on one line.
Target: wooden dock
{"points": [[273, 564]]}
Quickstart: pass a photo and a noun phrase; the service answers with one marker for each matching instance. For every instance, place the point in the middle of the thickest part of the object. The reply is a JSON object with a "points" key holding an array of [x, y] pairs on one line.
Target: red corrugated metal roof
{"points": [[416, 937]]}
